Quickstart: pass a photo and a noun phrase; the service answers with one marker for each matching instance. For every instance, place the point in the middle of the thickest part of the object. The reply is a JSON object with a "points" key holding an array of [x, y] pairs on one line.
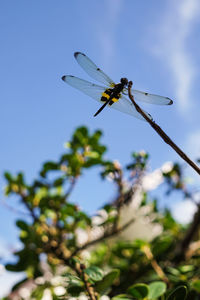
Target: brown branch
{"points": [[104, 236], [161, 133], [67, 258], [155, 265], [74, 264], [71, 186], [79, 268], [24, 201]]}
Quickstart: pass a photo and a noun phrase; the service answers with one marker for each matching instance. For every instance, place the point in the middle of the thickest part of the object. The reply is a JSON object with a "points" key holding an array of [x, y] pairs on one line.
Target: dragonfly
{"points": [[109, 93]]}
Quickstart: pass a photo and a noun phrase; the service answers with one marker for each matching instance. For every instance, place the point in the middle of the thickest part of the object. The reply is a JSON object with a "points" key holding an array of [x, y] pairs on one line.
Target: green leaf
{"points": [[22, 225], [179, 293], [75, 290], [74, 260], [20, 178], [8, 176], [162, 245], [121, 297], [156, 289], [196, 285], [94, 273], [102, 286], [173, 271], [140, 243], [72, 278], [186, 268], [59, 181], [75, 285], [138, 290], [49, 166], [38, 292]]}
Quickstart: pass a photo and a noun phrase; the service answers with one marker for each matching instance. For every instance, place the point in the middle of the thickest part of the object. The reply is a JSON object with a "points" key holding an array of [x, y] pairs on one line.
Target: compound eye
{"points": [[124, 80]]}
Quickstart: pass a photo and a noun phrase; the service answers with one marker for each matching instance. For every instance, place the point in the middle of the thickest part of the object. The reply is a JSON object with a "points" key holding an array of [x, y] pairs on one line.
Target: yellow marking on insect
{"points": [[115, 99], [105, 95], [112, 85]]}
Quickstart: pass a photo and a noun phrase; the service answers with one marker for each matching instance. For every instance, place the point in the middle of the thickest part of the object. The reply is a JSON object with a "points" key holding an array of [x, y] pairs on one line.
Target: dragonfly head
{"points": [[124, 81]]}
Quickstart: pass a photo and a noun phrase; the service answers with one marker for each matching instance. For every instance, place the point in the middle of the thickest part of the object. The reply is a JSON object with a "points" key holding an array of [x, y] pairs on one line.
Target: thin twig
{"points": [[155, 265], [104, 236], [66, 259], [14, 210], [71, 186], [161, 133], [89, 288], [24, 201]]}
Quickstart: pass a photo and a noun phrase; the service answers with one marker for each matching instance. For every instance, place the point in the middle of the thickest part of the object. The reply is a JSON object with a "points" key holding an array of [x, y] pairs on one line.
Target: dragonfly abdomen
{"points": [[110, 94]]}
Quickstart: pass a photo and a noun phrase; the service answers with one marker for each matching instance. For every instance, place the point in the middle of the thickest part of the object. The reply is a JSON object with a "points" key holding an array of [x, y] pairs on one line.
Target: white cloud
{"points": [[172, 46]]}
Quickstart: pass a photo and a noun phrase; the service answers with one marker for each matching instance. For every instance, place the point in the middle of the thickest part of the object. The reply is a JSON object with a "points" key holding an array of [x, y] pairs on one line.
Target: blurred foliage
{"points": [[58, 265]]}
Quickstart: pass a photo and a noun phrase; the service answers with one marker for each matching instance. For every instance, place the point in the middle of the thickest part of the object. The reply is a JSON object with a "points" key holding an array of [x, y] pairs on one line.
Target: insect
{"points": [[110, 94]]}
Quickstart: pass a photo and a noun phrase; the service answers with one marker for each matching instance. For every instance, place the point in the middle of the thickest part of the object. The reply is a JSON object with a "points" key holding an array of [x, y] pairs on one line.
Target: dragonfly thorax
{"points": [[112, 95], [115, 92]]}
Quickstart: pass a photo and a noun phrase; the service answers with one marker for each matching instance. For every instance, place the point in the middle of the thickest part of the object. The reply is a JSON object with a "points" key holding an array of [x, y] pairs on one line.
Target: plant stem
{"points": [[161, 133], [80, 271], [155, 265], [103, 237]]}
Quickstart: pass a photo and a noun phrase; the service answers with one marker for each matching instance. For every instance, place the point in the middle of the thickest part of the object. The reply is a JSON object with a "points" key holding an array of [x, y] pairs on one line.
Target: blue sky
{"points": [[153, 43]]}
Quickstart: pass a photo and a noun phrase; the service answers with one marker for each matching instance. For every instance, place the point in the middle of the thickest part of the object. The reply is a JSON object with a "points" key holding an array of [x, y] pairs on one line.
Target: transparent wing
{"points": [[88, 88], [151, 98], [91, 69], [125, 106], [95, 92]]}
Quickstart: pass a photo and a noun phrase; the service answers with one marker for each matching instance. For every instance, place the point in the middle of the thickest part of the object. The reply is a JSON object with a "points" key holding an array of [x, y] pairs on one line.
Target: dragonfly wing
{"points": [[151, 98], [91, 69], [88, 88], [124, 105]]}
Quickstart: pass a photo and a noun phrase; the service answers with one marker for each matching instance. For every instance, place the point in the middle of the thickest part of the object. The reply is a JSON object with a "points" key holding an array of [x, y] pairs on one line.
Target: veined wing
{"points": [[151, 98], [95, 92], [124, 105], [91, 69]]}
